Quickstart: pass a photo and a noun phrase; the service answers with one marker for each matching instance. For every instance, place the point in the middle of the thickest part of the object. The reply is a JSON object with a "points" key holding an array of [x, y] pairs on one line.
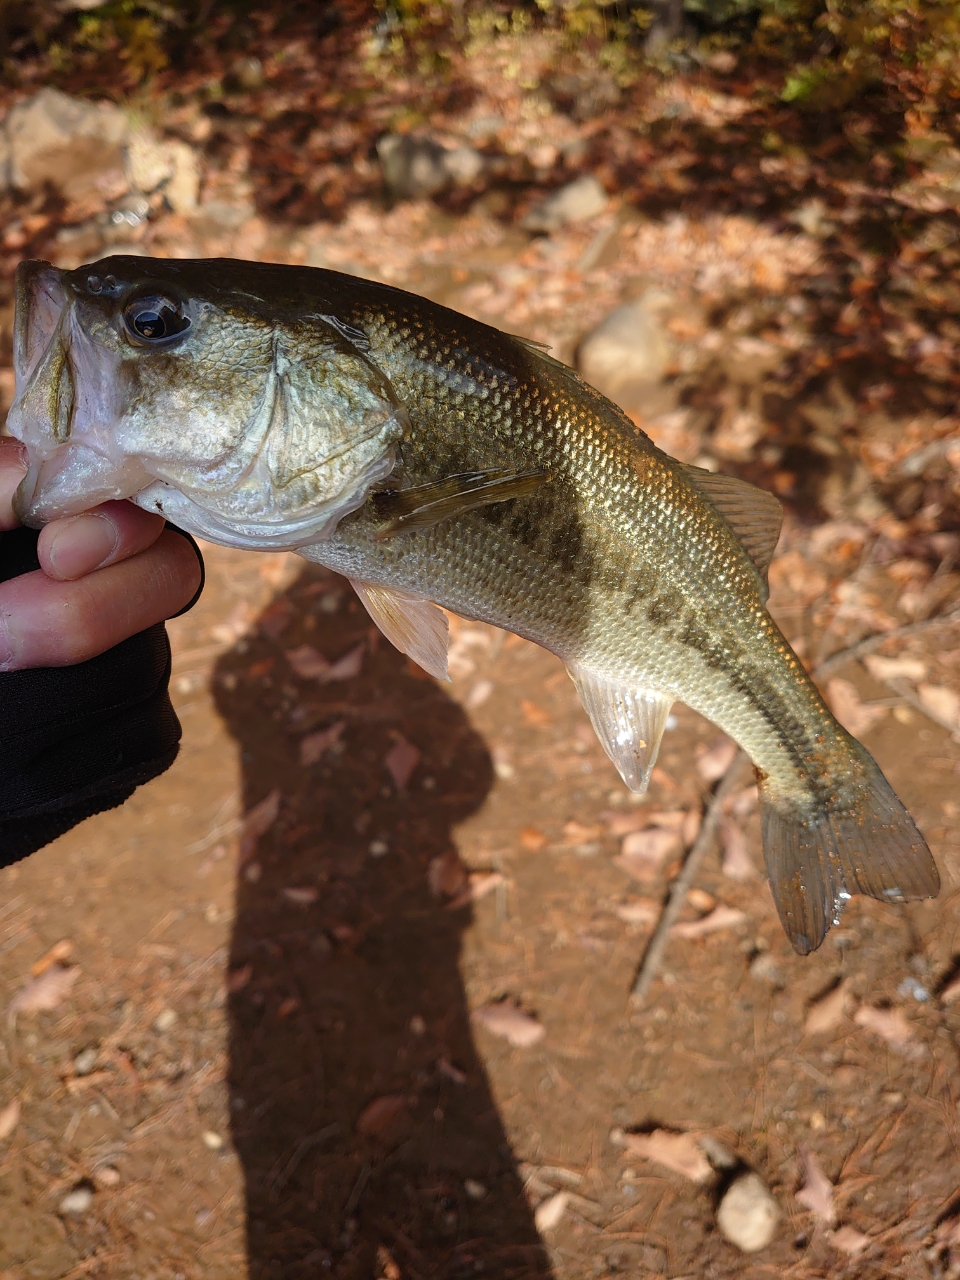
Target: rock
{"points": [[85, 1061], [76, 1202], [576, 202], [748, 1214], [171, 166], [416, 167], [165, 1020], [76, 147], [628, 352]]}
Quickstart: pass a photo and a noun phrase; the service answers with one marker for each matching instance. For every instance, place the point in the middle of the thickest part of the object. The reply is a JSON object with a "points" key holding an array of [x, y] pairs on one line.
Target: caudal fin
{"points": [[818, 857]]}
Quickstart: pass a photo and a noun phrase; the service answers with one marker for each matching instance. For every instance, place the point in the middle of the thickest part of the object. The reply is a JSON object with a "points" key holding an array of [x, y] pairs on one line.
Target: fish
{"points": [[440, 464]]}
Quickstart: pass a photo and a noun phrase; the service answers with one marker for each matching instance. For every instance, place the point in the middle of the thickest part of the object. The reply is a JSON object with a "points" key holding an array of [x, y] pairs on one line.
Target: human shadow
{"points": [[362, 1115]]}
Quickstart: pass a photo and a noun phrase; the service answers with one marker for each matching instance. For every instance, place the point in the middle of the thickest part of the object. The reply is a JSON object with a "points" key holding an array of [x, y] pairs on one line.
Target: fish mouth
{"points": [[62, 408]]}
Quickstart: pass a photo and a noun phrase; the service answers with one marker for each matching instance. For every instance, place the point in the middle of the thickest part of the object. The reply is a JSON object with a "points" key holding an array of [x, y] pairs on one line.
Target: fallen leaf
{"points": [[714, 761], [59, 953], [735, 860], [816, 1194], [512, 1024], [480, 883], [9, 1119], [721, 917], [700, 900], [827, 1012], [679, 1152], [315, 745], [446, 1068], [643, 853], [258, 821], [622, 824], [401, 760], [549, 1212], [237, 979], [672, 819], [534, 714], [890, 1024], [854, 715], [387, 1268], [479, 694], [943, 704], [376, 1115], [895, 668], [577, 833], [690, 827], [532, 838], [309, 664], [45, 992], [639, 911], [948, 1232], [849, 1240], [446, 874], [951, 991]]}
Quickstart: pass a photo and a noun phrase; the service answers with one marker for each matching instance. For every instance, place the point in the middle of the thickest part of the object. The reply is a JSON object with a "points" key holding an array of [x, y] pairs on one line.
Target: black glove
{"points": [[77, 740]]}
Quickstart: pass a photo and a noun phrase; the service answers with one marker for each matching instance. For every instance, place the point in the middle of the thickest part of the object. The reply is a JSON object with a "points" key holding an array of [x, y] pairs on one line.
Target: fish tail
{"points": [[821, 847]]}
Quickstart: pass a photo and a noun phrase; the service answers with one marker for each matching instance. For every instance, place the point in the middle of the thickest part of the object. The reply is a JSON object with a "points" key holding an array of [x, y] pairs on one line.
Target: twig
{"points": [[683, 882], [829, 665]]}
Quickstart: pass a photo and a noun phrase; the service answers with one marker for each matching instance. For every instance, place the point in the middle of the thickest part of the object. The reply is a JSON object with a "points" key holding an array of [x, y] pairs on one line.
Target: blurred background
{"points": [[345, 992]]}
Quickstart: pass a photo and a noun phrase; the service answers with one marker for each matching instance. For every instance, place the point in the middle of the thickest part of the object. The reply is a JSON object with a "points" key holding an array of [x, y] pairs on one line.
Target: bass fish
{"points": [[434, 460]]}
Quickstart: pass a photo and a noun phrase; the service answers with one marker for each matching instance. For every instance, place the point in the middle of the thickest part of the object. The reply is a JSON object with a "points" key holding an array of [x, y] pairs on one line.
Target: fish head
{"points": [[146, 379]]}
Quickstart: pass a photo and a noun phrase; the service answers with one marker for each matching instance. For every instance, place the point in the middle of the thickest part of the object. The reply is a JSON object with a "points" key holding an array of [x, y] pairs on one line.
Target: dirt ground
{"points": [[267, 1060]]}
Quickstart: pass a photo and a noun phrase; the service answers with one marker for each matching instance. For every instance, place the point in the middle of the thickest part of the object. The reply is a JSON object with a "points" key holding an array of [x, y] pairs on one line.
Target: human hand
{"points": [[105, 575]]}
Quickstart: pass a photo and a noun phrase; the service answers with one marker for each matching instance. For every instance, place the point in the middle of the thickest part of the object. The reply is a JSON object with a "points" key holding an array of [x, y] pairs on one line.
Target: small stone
{"points": [[576, 202], [73, 145], [628, 352], [475, 1190], [416, 167], [165, 1020], [211, 1140], [748, 1214], [85, 1061], [107, 1177], [77, 1202], [550, 1211], [378, 848]]}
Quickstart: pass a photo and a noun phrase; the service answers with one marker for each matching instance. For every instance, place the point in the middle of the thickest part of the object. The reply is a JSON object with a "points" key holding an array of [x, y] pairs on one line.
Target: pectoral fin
{"points": [[428, 504], [416, 627], [629, 723]]}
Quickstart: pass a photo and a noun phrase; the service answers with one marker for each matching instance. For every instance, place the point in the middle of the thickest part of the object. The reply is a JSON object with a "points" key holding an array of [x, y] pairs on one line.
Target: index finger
{"points": [[13, 467]]}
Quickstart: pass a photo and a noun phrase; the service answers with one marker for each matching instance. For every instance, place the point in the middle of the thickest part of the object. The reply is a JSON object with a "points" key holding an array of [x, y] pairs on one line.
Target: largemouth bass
{"points": [[436, 461]]}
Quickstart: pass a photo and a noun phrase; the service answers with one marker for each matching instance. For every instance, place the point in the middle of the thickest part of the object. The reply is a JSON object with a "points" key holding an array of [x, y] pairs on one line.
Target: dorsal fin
{"points": [[754, 515]]}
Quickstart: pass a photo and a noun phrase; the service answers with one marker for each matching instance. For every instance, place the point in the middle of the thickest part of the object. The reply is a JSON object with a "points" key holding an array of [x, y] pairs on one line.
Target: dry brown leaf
{"points": [[310, 664], [700, 900], [622, 824], [816, 1194], [9, 1119], [951, 991], [401, 760], [532, 838], [715, 760], [446, 874], [639, 911], [59, 953], [643, 853], [303, 897], [736, 861], [258, 821], [534, 714], [577, 833], [722, 917], [45, 992], [315, 745], [846, 705], [890, 1024], [512, 1024], [894, 668], [827, 1012], [849, 1240], [679, 1152], [379, 1113], [942, 704]]}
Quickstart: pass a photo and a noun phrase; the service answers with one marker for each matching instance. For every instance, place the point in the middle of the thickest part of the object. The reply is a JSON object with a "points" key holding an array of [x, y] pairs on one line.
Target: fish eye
{"points": [[154, 318]]}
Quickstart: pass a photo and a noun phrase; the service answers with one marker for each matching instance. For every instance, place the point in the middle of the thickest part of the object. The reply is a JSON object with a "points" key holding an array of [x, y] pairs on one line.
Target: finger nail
{"points": [[81, 545], [6, 648]]}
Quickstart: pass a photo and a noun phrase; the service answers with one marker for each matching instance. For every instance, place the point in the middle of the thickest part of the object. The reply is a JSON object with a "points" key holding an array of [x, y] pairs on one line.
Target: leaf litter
{"points": [[44, 992], [679, 1152], [507, 1020]]}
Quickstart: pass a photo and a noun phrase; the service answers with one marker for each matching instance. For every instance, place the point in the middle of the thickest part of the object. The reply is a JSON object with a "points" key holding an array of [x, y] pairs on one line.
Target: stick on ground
{"points": [[735, 776]]}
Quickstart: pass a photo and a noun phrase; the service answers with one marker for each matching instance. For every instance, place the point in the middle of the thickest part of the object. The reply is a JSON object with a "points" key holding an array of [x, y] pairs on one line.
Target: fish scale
{"points": [[438, 461]]}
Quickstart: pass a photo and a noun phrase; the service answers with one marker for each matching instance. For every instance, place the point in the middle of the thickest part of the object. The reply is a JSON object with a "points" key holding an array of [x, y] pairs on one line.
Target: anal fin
{"points": [[629, 722], [414, 626]]}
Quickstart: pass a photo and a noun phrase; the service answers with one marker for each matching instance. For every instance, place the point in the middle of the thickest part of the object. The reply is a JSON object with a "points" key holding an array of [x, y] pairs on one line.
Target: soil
{"points": [[288, 1076]]}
